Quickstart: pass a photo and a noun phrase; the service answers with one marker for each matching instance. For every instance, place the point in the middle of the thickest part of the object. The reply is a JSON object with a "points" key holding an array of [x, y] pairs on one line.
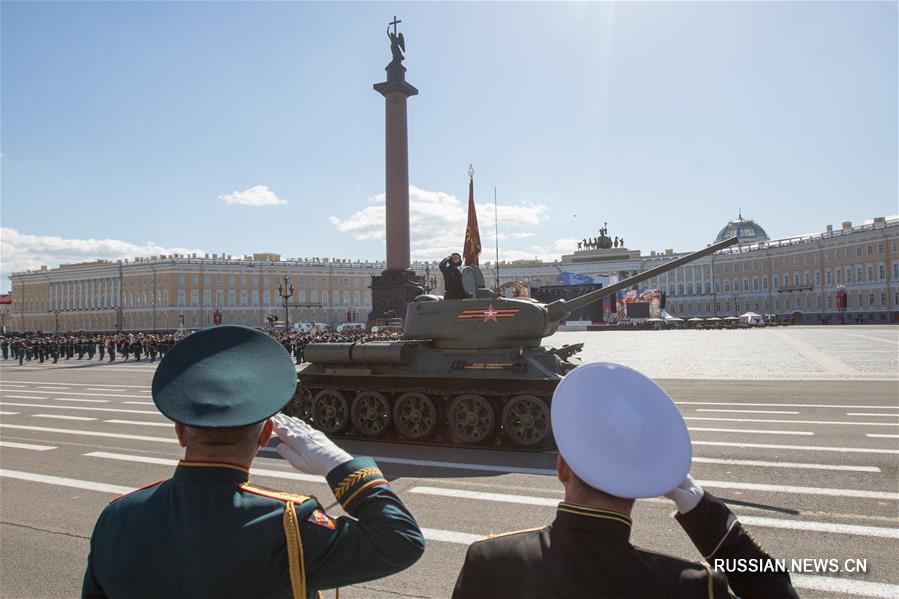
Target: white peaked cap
{"points": [[620, 432]]}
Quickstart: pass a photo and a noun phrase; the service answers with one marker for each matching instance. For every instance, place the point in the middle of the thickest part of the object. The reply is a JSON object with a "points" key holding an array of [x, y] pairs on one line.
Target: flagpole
{"points": [[496, 235]]}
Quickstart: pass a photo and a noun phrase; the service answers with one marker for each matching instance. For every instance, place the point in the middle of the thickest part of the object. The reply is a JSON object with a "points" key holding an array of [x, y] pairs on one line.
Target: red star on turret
{"points": [[490, 313]]}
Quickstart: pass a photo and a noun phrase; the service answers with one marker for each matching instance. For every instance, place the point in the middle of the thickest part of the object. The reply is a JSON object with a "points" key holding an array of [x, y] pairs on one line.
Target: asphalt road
{"points": [[810, 466]]}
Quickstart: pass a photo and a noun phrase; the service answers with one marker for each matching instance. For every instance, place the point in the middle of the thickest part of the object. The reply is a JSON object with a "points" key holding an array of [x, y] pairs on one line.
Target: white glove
{"points": [[687, 495], [308, 450]]}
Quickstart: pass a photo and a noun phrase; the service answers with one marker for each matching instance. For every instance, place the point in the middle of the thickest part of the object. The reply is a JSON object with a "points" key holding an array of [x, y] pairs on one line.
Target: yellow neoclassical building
{"points": [[797, 278]]}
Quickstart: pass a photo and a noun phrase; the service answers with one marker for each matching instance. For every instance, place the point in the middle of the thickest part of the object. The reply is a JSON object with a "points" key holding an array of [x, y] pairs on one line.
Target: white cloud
{"points": [[258, 195], [20, 251], [437, 221]]}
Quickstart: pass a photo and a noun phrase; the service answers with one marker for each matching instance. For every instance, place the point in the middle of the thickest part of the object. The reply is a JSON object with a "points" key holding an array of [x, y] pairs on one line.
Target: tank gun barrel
{"points": [[560, 309]]}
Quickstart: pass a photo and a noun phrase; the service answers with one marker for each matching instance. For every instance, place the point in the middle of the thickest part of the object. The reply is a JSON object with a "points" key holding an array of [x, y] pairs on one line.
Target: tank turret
{"points": [[470, 371], [519, 321]]}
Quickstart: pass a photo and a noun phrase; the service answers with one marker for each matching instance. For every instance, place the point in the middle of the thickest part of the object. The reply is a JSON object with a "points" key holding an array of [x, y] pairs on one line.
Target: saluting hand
{"points": [[307, 449], [687, 495]]}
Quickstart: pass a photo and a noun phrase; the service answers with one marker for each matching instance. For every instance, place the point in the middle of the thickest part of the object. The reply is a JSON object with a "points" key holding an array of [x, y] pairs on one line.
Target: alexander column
{"points": [[396, 287]]}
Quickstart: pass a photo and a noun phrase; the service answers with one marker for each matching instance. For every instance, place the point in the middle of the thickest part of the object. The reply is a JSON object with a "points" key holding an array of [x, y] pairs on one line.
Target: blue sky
{"points": [[127, 127]]}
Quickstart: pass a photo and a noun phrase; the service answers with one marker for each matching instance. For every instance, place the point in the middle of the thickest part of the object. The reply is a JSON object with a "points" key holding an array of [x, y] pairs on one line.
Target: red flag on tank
{"points": [[472, 236]]}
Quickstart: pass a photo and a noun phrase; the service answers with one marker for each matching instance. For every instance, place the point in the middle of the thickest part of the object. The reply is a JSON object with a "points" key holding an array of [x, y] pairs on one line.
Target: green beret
{"points": [[224, 376]]}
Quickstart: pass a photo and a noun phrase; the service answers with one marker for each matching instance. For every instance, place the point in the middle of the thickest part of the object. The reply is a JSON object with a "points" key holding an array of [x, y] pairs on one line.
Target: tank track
{"points": [[365, 408]]}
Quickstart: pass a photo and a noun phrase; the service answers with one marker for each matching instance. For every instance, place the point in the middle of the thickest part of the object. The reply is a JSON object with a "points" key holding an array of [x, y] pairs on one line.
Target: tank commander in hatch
{"points": [[207, 531], [452, 277], [620, 437]]}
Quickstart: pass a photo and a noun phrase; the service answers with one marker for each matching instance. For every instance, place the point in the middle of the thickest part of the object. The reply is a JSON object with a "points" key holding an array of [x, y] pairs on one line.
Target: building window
{"points": [[818, 277], [764, 282], [180, 280], [870, 273], [871, 298], [881, 272], [745, 284], [218, 279], [870, 250], [255, 301], [194, 279], [896, 270], [302, 296], [858, 274], [829, 302], [883, 299], [194, 297], [219, 297], [180, 297], [232, 280], [255, 282], [796, 279], [267, 297], [858, 252], [786, 280], [207, 297], [243, 296], [207, 279], [232, 297]]}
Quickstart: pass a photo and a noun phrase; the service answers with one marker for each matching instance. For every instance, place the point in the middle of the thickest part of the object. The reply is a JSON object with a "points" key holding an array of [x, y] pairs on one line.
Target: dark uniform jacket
{"points": [[586, 552], [452, 280], [206, 532]]}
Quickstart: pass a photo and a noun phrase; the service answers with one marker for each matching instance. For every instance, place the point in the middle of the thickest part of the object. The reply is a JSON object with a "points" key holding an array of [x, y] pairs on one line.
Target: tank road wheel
{"points": [[300, 405], [370, 413], [415, 416], [471, 418], [526, 420], [330, 412]]}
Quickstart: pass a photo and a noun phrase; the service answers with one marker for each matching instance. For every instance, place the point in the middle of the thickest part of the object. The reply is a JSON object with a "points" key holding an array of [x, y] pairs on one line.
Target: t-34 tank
{"points": [[470, 371]]}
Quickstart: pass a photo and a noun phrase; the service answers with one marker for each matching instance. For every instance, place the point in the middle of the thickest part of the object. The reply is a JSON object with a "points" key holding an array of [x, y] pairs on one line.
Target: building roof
{"points": [[747, 231]]}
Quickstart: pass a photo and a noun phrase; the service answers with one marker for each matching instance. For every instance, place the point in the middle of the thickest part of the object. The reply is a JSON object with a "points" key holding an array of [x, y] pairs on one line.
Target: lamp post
{"points": [[181, 320], [285, 292]]}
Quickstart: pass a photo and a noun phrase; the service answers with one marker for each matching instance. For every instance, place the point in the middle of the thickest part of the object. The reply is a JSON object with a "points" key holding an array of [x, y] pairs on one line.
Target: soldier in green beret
{"points": [[207, 531]]}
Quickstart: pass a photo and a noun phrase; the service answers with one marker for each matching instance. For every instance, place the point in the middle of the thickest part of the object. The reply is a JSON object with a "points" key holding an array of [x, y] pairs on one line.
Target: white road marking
{"points": [[143, 423], [37, 405], [744, 411], [483, 496], [16, 386], [23, 397], [66, 482], [882, 436], [845, 586], [718, 484], [844, 529], [54, 388], [77, 384], [124, 457], [87, 394], [69, 431], [140, 403], [62, 417], [451, 536], [798, 447], [764, 464], [869, 414], [552, 471], [782, 405], [80, 400], [830, 492], [8, 413], [30, 446], [748, 431], [777, 421], [100, 389]]}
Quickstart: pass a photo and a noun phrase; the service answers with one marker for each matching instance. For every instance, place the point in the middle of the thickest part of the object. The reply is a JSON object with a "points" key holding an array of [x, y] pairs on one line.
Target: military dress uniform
{"points": [[207, 532], [586, 552]]}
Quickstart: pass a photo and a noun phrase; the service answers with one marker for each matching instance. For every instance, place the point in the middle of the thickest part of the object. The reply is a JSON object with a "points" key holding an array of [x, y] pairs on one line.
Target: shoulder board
{"points": [[274, 494], [136, 490], [514, 532]]}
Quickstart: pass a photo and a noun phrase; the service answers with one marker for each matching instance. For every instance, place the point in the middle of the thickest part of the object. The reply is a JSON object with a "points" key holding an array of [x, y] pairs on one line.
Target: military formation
{"points": [[53, 348], [150, 346]]}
